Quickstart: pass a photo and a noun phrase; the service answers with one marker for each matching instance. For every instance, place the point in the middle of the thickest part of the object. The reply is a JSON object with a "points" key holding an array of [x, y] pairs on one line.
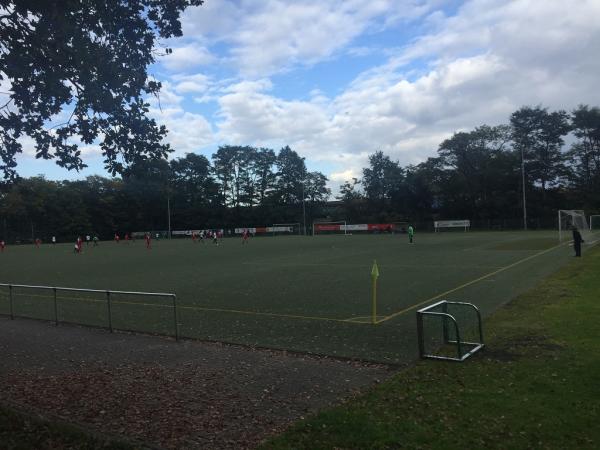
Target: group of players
{"points": [[206, 235]]}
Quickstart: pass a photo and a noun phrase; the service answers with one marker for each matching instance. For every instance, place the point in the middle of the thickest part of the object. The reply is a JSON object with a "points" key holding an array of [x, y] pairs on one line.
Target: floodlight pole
{"points": [[169, 214], [523, 184]]}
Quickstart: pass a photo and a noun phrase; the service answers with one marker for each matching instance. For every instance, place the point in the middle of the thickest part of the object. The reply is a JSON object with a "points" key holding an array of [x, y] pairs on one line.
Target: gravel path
{"points": [[174, 395]]}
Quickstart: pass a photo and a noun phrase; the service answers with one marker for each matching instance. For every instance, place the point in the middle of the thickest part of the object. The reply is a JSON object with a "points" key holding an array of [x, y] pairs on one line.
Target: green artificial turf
{"points": [[535, 385], [297, 293]]}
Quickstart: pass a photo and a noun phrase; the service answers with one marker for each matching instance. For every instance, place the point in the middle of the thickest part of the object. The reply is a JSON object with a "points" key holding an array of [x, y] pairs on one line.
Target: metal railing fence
{"points": [[107, 292]]}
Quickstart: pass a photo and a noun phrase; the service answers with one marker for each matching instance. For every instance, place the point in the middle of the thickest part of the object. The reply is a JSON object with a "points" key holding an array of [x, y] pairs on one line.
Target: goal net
{"points": [[282, 229], [338, 227], [570, 218], [594, 223]]}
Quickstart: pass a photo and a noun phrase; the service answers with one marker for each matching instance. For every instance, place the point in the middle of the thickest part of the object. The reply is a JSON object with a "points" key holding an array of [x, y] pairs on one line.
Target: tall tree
{"points": [[79, 69], [291, 172], [539, 135], [229, 166], [265, 176], [316, 189], [585, 153], [382, 177], [471, 158]]}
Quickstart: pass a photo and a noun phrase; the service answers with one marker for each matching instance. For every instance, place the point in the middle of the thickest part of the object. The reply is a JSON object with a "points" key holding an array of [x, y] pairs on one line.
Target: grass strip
{"points": [[536, 385]]}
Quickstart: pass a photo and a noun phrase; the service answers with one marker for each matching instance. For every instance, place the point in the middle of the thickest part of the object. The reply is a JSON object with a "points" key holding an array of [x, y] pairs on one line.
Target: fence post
{"points": [[109, 313], [445, 323], [420, 334], [55, 309], [175, 317], [10, 296]]}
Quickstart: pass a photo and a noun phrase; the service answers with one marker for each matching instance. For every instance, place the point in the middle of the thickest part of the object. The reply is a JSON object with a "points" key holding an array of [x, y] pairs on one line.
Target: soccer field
{"points": [[296, 293]]}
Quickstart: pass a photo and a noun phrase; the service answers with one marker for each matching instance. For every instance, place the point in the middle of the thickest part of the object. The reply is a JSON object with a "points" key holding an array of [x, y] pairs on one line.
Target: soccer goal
{"points": [[338, 227], [569, 218], [279, 229], [449, 330]]}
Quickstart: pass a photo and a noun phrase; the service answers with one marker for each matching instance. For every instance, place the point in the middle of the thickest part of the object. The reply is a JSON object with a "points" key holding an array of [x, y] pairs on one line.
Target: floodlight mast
{"points": [[169, 214], [303, 209], [523, 184]]}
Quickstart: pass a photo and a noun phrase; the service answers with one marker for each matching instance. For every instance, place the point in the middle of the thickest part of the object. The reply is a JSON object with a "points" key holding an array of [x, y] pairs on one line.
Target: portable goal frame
{"points": [[446, 318]]}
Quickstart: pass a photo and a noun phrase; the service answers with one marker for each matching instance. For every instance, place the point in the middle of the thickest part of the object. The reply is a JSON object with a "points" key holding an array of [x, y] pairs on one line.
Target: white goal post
{"points": [[569, 218], [595, 222], [338, 227]]}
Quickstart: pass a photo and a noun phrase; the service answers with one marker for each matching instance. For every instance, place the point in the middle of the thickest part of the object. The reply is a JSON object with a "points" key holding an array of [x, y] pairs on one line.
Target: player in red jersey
{"points": [[245, 236], [79, 244], [117, 238], [2, 245], [148, 241], [38, 241], [127, 238], [194, 237]]}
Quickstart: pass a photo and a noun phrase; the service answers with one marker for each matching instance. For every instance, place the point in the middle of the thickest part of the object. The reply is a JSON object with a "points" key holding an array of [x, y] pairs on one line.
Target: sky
{"points": [[337, 80]]}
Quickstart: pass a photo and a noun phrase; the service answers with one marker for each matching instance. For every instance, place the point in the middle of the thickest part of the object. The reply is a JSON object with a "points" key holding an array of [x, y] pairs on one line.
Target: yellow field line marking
{"points": [[406, 266], [476, 280], [256, 313], [199, 308]]}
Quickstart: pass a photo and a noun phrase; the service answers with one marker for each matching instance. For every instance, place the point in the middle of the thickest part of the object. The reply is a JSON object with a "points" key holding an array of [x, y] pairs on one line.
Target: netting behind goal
{"points": [[594, 223], [570, 218]]}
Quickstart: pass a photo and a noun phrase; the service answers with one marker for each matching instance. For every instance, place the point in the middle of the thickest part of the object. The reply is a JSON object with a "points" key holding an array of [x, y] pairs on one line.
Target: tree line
{"points": [[477, 175], [481, 174], [240, 186]]}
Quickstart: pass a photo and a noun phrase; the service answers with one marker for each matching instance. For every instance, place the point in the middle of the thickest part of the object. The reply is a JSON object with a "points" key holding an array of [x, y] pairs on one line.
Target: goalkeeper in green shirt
{"points": [[411, 233]]}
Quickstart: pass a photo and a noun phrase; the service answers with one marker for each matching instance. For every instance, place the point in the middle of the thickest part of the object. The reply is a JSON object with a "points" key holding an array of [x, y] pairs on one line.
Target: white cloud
{"points": [[188, 132], [275, 35], [187, 57], [473, 68], [195, 84]]}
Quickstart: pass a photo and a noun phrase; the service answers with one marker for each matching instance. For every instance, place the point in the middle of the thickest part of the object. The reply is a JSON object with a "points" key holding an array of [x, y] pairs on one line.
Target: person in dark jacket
{"points": [[577, 240]]}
